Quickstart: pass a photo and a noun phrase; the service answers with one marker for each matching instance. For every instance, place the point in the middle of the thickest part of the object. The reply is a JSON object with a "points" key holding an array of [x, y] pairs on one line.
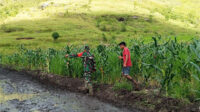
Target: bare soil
{"points": [[25, 38]]}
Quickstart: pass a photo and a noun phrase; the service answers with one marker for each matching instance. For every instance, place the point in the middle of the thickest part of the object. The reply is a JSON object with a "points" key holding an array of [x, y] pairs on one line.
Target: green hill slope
{"points": [[95, 21]]}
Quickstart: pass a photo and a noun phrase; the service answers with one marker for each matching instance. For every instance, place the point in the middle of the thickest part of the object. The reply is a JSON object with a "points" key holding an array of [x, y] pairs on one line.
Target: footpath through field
{"points": [[20, 93]]}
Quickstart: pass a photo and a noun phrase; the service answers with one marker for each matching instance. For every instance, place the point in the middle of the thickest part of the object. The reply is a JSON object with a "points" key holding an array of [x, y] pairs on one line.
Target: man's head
{"points": [[87, 48], [122, 45]]}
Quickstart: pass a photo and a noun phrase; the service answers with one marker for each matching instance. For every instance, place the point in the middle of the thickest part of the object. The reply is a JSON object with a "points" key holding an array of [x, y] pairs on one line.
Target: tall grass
{"points": [[173, 66]]}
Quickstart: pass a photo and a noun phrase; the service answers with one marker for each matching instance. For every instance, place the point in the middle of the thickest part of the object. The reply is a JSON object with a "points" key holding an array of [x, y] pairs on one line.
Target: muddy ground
{"points": [[20, 93], [51, 94]]}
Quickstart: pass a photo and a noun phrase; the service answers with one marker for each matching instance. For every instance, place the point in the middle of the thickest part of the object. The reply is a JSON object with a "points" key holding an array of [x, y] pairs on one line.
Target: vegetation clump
{"points": [[55, 35], [123, 86]]}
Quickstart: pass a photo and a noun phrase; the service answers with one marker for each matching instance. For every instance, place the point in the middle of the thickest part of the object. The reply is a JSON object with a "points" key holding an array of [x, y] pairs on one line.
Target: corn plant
{"points": [[174, 66]]}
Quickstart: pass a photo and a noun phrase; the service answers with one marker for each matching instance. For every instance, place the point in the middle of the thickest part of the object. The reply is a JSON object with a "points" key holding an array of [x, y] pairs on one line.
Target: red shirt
{"points": [[127, 52]]}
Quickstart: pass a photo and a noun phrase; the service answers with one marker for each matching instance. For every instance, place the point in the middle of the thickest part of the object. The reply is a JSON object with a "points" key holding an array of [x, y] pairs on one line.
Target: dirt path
{"points": [[20, 93]]}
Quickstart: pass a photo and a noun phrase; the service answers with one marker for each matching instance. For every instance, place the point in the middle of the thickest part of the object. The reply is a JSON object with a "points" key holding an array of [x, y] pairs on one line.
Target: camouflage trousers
{"points": [[87, 77]]}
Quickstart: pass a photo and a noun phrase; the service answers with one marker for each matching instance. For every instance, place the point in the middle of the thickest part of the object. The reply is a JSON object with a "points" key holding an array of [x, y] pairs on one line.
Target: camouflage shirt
{"points": [[88, 61]]}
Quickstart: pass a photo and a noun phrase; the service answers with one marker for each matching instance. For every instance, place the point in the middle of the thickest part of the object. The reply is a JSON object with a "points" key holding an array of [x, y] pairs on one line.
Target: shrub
{"points": [[55, 35], [103, 28]]}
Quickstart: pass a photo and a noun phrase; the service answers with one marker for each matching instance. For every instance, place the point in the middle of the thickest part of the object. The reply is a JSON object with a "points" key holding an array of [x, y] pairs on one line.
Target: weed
{"points": [[123, 86]]}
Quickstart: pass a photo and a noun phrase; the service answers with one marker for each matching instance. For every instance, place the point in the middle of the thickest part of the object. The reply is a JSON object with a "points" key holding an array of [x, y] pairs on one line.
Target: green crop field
{"points": [[167, 66], [169, 62]]}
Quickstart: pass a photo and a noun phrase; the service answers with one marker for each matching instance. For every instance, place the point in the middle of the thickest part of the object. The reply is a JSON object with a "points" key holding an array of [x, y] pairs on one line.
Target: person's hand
{"points": [[124, 65], [66, 55], [120, 57]]}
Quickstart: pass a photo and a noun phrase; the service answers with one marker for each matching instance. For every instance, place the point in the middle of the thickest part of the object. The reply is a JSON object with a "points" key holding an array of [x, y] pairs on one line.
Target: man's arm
{"points": [[74, 55]]}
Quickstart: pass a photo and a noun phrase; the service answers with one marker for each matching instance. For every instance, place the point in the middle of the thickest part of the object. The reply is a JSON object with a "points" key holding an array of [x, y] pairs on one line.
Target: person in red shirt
{"points": [[127, 64]]}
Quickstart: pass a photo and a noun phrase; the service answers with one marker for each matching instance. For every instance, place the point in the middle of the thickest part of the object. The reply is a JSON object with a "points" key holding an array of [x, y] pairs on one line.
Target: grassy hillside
{"points": [[94, 21]]}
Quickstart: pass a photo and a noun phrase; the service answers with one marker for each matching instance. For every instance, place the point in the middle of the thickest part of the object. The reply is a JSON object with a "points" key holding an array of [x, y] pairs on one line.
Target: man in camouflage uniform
{"points": [[89, 67]]}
